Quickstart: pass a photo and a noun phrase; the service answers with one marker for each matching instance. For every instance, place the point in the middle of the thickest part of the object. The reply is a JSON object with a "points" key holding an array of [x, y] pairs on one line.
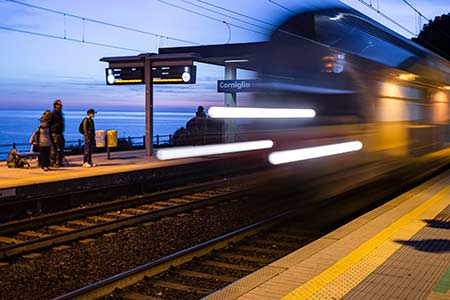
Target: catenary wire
{"points": [[236, 13], [225, 15], [211, 18], [100, 22], [416, 10], [283, 7], [387, 17], [69, 39]]}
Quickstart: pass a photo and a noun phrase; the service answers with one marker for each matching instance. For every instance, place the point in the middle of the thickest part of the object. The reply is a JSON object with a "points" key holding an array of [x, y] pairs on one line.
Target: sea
{"points": [[16, 126]]}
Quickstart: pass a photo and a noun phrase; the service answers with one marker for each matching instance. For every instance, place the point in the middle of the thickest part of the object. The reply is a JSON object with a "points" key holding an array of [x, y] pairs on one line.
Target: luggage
{"points": [[16, 160]]}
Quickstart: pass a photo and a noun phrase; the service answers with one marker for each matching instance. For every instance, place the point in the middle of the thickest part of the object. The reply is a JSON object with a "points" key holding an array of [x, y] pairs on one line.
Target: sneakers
{"points": [[86, 165], [93, 165], [45, 169]]}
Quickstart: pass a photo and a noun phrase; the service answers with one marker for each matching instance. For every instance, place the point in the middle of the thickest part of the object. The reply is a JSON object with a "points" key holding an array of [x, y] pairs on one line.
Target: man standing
{"points": [[197, 127], [57, 128], [89, 138]]}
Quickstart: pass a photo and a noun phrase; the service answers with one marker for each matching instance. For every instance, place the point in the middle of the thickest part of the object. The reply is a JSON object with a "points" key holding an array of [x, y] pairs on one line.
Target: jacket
{"points": [[57, 122], [88, 127], [43, 134]]}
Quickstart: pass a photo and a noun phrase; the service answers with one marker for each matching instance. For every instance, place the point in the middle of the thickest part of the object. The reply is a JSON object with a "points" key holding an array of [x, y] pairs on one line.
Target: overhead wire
{"points": [[386, 17], [209, 17], [416, 10], [69, 39], [225, 15], [235, 12], [283, 7], [229, 33], [65, 14], [231, 24]]}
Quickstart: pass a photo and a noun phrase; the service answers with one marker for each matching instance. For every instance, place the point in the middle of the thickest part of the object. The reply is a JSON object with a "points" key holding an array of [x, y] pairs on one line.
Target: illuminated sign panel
{"points": [[160, 75], [237, 86], [174, 74], [124, 76]]}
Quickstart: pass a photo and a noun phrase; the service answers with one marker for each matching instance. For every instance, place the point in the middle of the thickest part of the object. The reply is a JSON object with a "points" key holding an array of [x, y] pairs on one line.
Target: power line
{"points": [[209, 17], [68, 39], [100, 22], [218, 20], [283, 7], [418, 12], [222, 14], [386, 17], [236, 13]]}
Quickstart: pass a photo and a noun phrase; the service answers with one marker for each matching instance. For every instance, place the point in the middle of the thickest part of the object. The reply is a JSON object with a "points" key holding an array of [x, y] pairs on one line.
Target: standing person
{"points": [[88, 128], [197, 126], [45, 141], [57, 128]]}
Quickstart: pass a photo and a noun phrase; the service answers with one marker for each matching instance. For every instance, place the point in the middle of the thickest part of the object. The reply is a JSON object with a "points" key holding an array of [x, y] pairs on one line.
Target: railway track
{"points": [[222, 259], [201, 270], [19, 237], [32, 235]]}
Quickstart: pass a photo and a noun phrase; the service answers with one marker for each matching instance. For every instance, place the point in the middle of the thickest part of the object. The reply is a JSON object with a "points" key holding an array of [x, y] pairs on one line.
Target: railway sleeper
{"points": [[239, 257], [101, 219], [139, 296], [32, 234], [277, 244], [80, 223], [58, 228], [201, 275], [135, 211], [230, 266], [7, 240], [182, 287], [263, 250]]}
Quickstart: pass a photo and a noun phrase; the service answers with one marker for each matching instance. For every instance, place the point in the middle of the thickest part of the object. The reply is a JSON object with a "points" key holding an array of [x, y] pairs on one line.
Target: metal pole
{"points": [[107, 145], [148, 107], [230, 99]]}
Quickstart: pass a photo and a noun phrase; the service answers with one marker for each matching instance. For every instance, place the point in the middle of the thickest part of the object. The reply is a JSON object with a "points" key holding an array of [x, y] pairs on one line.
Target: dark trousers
{"points": [[44, 157], [89, 146], [57, 150]]}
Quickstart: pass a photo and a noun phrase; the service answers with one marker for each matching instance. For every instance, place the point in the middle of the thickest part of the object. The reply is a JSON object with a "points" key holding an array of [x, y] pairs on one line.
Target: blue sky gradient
{"points": [[35, 70]]}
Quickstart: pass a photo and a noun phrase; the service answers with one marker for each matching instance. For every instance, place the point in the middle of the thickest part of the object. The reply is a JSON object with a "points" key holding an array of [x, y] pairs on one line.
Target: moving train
{"points": [[365, 82]]}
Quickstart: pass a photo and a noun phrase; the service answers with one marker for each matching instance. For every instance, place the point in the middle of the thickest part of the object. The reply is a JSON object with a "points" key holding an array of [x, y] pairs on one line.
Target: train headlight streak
{"points": [[258, 113], [193, 151], [282, 157]]}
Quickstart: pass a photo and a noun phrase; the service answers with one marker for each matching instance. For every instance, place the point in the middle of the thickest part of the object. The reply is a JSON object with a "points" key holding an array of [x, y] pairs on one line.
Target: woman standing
{"points": [[44, 138]]}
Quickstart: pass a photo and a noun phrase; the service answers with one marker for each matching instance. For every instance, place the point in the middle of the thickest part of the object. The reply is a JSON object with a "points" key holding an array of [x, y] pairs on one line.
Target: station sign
{"points": [[117, 76], [174, 74], [237, 86]]}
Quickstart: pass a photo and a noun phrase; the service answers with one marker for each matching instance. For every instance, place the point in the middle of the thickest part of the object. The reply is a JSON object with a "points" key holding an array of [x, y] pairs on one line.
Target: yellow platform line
{"points": [[310, 288]]}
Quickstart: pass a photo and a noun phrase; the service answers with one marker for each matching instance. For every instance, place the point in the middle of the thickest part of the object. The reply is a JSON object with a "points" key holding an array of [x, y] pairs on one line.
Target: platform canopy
{"points": [[231, 56], [223, 54]]}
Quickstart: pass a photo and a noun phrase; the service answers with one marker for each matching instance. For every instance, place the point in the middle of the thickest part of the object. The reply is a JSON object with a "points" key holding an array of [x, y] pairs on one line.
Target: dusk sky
{"points": [[35, 70]]}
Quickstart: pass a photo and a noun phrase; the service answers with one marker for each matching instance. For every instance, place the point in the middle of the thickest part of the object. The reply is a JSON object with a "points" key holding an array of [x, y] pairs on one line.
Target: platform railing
{"points": [[77, 146]]}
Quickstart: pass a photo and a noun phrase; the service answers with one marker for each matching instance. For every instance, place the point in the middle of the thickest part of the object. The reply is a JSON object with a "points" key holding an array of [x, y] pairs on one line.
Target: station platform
{"points": [[120, 162], [31, 191], [400, 250]]}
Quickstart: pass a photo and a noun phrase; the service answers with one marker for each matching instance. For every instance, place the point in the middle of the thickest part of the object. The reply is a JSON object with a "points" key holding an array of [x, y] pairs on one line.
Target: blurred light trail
{"points": [[282, 157], [258, 113], [194, 151]]}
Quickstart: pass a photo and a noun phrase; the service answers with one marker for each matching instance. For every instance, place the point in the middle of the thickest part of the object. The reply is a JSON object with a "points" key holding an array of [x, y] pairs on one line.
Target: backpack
{"points": [[80, 128], [15, 160], [35, 139]]}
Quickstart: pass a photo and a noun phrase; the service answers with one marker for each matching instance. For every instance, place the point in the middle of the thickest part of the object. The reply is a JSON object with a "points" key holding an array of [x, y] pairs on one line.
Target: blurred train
{"points": [[365, 82]]}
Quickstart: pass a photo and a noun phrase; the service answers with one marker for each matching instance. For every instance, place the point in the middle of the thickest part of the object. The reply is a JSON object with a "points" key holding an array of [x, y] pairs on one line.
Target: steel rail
{"points": [[64, 237], [54, 218]]}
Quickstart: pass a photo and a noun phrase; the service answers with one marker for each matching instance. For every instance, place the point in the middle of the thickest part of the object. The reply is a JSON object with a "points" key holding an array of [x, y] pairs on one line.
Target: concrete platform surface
{"points": [[400, 250], [120, 162]]}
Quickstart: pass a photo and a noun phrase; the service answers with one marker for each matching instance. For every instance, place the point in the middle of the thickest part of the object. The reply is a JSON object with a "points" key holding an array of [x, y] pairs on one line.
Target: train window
{"points": [[341, 34]]}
